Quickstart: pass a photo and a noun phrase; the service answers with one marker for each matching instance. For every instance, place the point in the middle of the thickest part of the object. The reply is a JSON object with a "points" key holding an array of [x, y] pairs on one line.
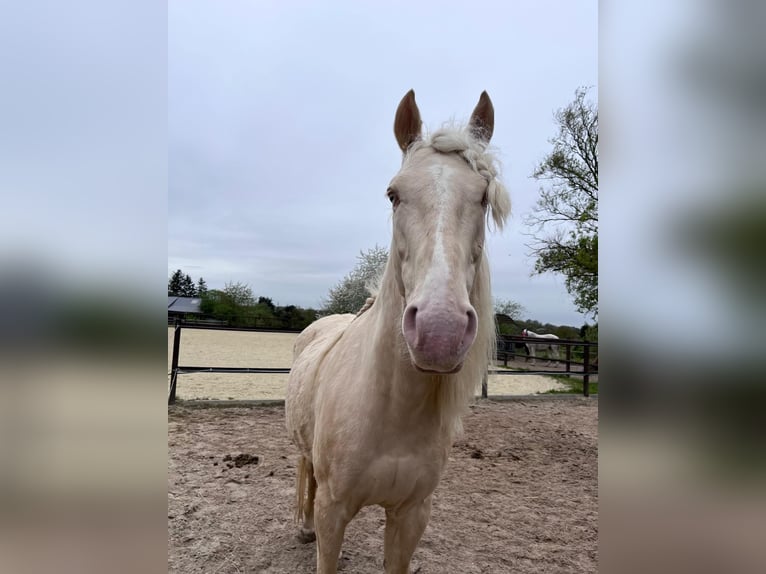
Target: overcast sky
{"points": [[280, 129]]}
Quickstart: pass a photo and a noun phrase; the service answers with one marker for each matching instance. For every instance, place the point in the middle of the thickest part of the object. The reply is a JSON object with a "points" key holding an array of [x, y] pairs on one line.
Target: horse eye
{"points": [[393, 197]]}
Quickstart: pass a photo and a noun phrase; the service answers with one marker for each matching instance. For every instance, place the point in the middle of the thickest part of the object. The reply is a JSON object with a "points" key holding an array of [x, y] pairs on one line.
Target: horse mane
{"points": [[369, 302], [454, 138], [372, 286]]}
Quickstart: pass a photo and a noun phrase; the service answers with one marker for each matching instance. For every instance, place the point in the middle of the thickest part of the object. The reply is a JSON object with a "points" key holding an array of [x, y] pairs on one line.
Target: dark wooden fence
{"points": [[585, 351], [506, 346]]}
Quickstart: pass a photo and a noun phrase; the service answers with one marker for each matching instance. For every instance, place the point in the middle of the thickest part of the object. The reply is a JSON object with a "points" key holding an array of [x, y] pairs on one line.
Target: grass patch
{"points": [[573, 385]]}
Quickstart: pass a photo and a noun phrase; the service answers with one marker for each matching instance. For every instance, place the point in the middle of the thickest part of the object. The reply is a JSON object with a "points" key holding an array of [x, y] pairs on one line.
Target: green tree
{"points": [[349, 295], [175, 284], [218, 305], [305, 317], [232, 304], [564, 220], [261, 315], [512, 309], [589, 332], [201, 287], [180, 284], [239, 293], [187, 287], [508, 314], [209, 300]]}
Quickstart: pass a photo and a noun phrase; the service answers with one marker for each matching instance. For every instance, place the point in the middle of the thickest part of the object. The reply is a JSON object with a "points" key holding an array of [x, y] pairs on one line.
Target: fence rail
{"points": [[253, 370], [588, 369], [224, 326], [503, 352]]}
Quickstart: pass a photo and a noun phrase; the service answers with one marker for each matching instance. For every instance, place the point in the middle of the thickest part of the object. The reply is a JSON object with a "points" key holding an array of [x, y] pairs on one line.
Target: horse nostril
{"points": [[470, 328], [409, 327], [409, 319]]}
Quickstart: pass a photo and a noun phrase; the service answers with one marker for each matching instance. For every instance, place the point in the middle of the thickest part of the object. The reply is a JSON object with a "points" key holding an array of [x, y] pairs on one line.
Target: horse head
{"points": [[441, 197]]}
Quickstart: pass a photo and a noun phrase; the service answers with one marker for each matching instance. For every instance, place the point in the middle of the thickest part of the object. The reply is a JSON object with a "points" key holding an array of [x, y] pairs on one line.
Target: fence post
{"points": [[586, 369], [569, 359], [484, 385], [174, 363]]}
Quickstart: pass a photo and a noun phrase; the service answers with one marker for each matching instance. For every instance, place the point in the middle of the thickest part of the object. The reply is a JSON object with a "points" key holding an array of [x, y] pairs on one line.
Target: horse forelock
{"points": [[453, 138]]}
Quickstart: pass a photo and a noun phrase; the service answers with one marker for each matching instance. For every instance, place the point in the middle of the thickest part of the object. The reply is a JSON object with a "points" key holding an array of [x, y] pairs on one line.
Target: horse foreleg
{"points": [[404, 527], [330, 520]]}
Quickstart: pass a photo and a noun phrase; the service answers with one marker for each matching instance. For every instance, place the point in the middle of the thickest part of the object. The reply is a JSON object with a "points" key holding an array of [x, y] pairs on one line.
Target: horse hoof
{"points": [[306, 536]]}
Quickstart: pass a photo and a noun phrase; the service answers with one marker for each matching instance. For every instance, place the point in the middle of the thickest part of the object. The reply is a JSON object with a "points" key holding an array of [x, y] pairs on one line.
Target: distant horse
{"points": [[532, 348], [374, 400]]}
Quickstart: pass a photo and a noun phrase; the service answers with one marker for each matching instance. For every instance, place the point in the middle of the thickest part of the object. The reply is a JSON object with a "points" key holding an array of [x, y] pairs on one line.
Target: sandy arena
{"points": [[520, 494], [254, 349]]}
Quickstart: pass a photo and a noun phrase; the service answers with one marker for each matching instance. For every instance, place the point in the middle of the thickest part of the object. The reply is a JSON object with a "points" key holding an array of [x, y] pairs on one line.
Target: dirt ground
{"points": [[520, 494], [254, 349]]}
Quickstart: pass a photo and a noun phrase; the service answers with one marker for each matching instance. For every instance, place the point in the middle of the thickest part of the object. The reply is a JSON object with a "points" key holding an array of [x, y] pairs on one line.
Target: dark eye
{"points": [[393, 197]]}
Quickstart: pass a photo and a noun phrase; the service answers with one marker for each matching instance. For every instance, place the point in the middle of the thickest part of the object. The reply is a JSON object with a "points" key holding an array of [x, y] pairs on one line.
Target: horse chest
{"points": [[384, 473], [395, 480]]}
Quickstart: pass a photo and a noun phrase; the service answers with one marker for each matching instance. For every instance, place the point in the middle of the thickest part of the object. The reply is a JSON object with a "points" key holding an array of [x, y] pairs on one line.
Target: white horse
{"points": [[552, 350], [374, 399]]}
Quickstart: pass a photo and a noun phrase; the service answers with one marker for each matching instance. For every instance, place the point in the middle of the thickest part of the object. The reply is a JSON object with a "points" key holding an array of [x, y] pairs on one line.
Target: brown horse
{"points": [[374, 400]]}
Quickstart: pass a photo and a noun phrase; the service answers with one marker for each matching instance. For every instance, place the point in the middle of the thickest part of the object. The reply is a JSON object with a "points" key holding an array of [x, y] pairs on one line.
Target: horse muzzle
{"points": [[439, 337]]}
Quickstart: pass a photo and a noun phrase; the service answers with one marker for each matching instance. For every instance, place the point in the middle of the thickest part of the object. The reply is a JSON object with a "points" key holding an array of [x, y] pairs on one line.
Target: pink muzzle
{"points": [[439, 336]]}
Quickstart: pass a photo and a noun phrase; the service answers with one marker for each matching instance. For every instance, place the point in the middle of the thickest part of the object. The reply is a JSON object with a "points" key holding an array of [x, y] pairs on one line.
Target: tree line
{"points": [[180, 284], [237, 306]]}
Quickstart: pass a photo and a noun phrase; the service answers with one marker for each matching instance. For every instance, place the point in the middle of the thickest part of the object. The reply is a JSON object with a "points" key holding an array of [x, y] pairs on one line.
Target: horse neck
{"points": [[390, 345], [443, 396]]}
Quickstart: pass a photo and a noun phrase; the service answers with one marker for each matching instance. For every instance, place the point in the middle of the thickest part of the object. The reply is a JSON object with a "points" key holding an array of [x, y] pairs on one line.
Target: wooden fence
{"points": [[505, 350], [585, 368]]}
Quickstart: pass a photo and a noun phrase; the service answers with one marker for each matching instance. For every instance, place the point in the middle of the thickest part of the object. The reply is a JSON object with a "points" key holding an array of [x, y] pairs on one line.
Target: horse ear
{"points": [[407, 121], [482, 122]]}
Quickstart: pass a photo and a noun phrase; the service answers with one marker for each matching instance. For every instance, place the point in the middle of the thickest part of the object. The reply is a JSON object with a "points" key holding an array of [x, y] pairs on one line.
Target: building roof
{"points": [[184, 304]]}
